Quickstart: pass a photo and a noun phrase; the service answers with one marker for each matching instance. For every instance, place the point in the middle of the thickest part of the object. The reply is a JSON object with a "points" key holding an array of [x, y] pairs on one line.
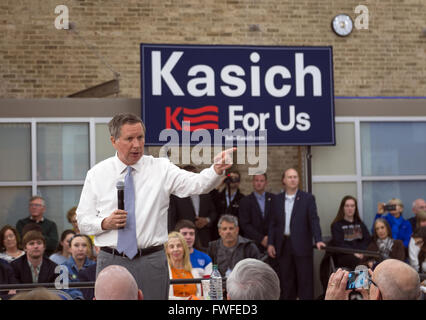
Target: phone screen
{"points": [[356, 280]]}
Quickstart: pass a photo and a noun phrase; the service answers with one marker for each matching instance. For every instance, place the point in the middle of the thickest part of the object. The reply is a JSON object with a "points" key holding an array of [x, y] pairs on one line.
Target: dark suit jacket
{"points": [[86, 275], [304, 223], [253, 225], [23, 272], [219, 199], [182, 208]]}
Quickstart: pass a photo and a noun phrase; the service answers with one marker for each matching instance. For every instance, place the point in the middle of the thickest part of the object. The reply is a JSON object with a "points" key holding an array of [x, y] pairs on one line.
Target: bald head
{"points": [[397, 280], [116, 283]]}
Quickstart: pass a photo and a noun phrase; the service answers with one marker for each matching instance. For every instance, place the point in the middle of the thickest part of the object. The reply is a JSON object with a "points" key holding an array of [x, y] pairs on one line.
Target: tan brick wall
{"points": [[36, 60]]}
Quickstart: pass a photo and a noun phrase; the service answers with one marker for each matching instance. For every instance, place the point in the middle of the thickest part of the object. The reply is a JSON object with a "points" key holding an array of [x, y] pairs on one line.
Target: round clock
{"points": [[342, 25]]}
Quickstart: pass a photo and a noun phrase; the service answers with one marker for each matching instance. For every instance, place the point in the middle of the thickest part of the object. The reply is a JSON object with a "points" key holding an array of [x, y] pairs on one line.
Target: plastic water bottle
{"points": [[216, 284]]}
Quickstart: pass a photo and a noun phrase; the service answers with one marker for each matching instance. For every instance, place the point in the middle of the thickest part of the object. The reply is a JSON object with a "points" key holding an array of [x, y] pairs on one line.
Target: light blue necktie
{"points": [[127, 242]]}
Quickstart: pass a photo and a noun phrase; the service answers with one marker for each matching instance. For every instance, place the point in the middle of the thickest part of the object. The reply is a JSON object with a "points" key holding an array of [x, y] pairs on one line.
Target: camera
{"points": [[230, 179], [358, 279], [389, 207]]}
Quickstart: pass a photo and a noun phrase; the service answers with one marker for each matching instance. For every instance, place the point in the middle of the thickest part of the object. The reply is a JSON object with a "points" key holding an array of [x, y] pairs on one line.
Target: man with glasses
{"points": [[37, 207], [391, 280]]}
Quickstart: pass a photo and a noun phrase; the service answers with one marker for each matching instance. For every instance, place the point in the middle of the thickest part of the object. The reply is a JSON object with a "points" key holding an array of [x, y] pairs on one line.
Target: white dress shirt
{"points": [[155, 179], [289, 203]]}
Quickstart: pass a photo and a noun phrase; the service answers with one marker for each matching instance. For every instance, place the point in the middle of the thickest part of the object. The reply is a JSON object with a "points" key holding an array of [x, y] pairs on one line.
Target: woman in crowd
{"points": [[62, 252], [401, 228], [10, 244], [417, 250], [384, 244], [79, 246], [177, 253], [348, 231]]}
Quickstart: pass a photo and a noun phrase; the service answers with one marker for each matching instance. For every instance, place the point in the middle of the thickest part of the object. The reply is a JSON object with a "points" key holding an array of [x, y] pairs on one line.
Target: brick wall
{"points": [[37, 60]]}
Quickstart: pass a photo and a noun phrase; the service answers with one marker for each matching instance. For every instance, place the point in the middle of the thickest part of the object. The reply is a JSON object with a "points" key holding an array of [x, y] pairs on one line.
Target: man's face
{"points": [[259, 183], [189, 235], [420, 205], [291, 179], [130, 144], [229, 233], [35, 248], [37, 208]]}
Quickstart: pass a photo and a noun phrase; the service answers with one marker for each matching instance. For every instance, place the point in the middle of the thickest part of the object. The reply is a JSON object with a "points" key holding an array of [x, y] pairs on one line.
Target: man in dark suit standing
{"points": [[255, 212], [294, 226], [199, 209]]}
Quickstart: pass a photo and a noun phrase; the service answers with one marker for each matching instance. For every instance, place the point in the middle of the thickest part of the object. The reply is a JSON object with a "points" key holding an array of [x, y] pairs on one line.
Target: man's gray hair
{"points": [[119, 120], [228, 218], [253, 279]]}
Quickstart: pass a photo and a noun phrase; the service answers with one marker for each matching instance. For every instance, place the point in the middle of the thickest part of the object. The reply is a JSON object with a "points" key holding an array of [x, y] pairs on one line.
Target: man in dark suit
{"points": [[34, 267], [294, 225], [6, 277], [255, 212], [199, 209]]}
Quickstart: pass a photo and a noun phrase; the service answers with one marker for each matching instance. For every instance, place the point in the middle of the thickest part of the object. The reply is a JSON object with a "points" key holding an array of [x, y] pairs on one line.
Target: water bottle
{"points": [[216, 284]]}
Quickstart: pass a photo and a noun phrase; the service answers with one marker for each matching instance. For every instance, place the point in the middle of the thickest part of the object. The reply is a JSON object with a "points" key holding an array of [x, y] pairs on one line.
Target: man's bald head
{"points": [[116, 283], [397, 280]]}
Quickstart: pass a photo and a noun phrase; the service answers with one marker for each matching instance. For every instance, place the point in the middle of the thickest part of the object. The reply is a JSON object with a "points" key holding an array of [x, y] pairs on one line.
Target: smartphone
{"points": [[358, 280], [389, 207]]}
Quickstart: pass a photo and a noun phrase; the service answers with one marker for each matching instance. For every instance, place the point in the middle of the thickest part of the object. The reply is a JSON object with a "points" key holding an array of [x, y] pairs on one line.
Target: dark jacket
{"points": [[253, 224], [22, 270], [88, 275], [49, 231], [219, 199], [6, 277], [304, 224], [245, 249]]}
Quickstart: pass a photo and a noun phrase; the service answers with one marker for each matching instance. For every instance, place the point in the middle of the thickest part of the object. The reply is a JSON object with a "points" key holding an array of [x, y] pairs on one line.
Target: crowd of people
{"points": [[244, 235], [178, 223]]}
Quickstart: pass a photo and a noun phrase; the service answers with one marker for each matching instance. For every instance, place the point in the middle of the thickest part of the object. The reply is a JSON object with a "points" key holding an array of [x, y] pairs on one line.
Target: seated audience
{"points": [[252, 279], [417, 250], [418, 205], [116, 283], [231, 247], [200, 261], [383, 243], [34, 267], [177, 253], [80, 249], [10, 244], [391, 280], [348, 231], [63, 250], [6, 277], [401, 228]]}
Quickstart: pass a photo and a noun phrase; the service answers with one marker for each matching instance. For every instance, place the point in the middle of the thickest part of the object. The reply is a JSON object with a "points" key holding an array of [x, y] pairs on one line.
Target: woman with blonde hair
{"points": [[177, 253]]}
